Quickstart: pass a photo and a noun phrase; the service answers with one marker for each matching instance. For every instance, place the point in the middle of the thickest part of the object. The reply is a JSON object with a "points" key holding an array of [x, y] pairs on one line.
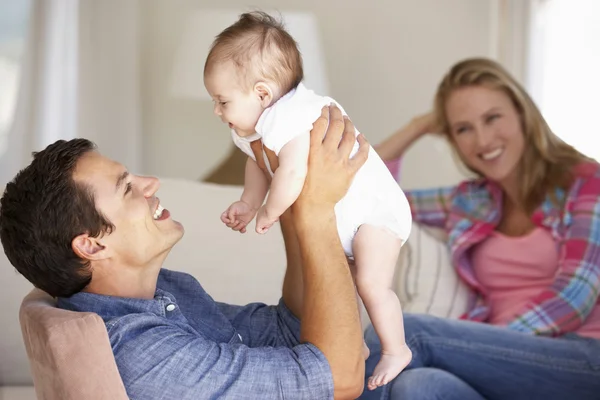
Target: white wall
{"points": [[109, 82], [384, 60]]}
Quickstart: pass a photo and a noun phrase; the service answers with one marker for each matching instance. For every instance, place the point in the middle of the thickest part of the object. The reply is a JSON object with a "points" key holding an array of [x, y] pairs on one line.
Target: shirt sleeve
{"points": [[565, 305], [394, 166], [283, 122], [431, 206], [262, 325], [166, 361]]}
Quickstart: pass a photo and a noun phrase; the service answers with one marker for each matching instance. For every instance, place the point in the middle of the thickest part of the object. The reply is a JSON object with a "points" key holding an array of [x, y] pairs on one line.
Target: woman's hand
{"points": [[422, 124], [395, 145]]}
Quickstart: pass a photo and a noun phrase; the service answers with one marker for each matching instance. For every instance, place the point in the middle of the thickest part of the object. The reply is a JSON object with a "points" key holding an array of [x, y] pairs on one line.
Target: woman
{"points": [[525, 237]]}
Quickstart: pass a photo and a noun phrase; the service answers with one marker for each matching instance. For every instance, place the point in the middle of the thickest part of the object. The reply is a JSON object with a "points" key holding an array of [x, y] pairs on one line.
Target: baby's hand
{"points": [[264, 221], [238, 216]]}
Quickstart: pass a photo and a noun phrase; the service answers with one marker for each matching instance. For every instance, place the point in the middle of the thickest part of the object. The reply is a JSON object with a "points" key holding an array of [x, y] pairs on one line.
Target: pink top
{"points": [[514, 270]]}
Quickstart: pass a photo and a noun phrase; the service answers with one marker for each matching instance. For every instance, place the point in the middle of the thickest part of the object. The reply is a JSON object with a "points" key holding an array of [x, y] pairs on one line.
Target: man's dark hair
{"points": [[42, 210]]}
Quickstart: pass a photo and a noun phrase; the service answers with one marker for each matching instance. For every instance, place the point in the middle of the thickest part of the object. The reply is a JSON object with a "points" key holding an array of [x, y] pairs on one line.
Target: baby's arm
{"points": [[239, 214], [256, 185], [288, 179]]}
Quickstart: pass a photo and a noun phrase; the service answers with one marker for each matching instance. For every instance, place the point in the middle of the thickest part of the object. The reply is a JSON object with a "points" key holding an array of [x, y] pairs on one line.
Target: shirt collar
{"points": [[109, 307]]}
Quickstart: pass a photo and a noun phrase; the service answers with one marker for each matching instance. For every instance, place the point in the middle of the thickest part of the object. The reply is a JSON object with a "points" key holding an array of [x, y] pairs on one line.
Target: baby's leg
{"points": [[376, 253]]}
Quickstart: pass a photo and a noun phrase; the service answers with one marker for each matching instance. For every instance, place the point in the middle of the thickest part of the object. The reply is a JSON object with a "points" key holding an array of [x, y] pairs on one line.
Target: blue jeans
{"points": [[473, 361]]}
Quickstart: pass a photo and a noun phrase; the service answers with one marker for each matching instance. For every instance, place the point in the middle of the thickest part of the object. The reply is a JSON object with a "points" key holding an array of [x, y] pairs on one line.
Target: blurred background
{"points": [[127, 74]]}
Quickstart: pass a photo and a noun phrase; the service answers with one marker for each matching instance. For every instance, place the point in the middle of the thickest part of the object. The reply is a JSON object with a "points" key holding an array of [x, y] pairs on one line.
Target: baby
{"points": [[254, 75]]}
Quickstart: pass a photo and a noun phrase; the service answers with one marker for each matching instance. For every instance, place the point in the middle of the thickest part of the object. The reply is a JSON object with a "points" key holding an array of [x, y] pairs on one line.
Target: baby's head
{"points": [[251, 64]]}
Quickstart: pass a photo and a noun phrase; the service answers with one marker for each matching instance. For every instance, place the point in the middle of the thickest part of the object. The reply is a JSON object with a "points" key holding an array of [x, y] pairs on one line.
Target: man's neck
{"points": [[137, 283]]}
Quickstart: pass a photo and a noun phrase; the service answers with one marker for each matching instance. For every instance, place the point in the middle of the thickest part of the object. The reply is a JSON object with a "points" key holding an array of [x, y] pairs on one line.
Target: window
{"points": [[14, 18], [564, 69]]}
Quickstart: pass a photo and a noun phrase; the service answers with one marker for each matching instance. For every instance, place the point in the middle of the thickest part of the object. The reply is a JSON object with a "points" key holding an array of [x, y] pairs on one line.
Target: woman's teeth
{"points": [[492, 154], [158, 212]]}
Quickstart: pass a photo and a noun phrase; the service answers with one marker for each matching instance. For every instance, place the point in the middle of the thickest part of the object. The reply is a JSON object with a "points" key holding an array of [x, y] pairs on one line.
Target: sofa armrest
{"points": [[69, 352]]}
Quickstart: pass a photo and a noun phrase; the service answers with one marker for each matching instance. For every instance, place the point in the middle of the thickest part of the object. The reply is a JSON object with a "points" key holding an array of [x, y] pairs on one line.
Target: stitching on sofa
{"points": [[437, 279]]}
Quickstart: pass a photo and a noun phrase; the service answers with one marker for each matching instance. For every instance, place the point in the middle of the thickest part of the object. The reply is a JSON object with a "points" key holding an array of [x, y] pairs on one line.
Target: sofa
{"points": [[235, 268]]}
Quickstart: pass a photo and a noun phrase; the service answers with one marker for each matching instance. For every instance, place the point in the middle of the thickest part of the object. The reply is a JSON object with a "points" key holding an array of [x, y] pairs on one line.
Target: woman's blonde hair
{"points": [[547, 162]]}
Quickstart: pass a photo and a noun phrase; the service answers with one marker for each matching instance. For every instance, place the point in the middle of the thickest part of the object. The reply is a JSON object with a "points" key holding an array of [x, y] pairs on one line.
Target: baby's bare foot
{"points": [[388, 367]]}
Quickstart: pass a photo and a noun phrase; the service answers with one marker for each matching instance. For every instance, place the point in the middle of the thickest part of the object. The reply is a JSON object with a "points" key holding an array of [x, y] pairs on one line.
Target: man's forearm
{"points": [[293, 290], [330, 318]]}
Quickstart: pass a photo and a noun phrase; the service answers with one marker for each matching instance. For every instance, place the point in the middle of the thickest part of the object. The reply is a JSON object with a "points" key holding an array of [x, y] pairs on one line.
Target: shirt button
{"points": [[170, 307]]}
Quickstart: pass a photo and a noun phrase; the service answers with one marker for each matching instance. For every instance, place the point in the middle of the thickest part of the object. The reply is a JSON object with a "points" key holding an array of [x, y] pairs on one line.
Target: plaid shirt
{"points": [[470, 211]]}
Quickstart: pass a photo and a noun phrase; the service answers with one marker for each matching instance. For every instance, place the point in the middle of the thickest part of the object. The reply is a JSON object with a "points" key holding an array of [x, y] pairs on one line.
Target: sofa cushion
{"points": [[426, 281], [17, 393]]}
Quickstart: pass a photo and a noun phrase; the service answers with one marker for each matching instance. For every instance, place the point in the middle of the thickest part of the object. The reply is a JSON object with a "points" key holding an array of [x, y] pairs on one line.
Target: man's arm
{"points": [[330, 317], [293, 288], [168, 362]]}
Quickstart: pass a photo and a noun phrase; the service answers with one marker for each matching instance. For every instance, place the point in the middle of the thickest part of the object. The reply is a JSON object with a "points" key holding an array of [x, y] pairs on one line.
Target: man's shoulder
{"points": [[172, 274], [175, 282]]}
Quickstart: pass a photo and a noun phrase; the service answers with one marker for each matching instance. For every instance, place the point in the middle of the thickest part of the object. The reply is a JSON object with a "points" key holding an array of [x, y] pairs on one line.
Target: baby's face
{"points": [[238, 108]]}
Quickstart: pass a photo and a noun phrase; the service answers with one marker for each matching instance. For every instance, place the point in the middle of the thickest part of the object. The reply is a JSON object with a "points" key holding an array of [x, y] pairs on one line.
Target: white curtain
{"points": [[47, 97], [509, 27], [79, 78]]}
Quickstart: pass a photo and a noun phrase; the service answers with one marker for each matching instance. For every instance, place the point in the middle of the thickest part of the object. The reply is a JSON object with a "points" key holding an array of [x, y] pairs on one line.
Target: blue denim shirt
{"points": [[184, 345]]}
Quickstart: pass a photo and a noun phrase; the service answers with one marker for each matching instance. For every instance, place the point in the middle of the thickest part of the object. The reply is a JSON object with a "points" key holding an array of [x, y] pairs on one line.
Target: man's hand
{"points": [[238, 216], [264, 221], [330, 170], [330, 319]]}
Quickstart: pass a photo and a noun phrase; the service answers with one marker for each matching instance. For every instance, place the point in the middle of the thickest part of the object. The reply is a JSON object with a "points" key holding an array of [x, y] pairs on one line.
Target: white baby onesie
{"points": [[374, 197]]}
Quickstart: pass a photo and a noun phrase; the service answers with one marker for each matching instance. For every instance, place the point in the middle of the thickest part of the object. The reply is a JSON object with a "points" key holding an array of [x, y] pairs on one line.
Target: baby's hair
{"points": [[260, 49]]}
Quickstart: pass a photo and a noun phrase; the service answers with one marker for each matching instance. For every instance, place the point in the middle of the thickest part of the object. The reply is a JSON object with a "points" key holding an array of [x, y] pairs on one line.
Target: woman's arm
{"points": [[394, 146], [431, 207], [565, 305]]}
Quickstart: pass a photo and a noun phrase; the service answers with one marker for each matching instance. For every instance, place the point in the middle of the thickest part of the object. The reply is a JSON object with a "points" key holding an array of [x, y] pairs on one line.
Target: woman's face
{"points": [[486, 128]]}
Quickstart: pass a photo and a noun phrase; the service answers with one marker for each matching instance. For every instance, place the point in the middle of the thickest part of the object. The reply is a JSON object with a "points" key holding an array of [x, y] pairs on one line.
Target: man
{"points": [[79, 226]]}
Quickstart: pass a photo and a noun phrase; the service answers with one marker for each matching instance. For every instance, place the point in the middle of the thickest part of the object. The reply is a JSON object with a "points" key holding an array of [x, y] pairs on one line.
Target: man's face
{"points": [[142, 234]]}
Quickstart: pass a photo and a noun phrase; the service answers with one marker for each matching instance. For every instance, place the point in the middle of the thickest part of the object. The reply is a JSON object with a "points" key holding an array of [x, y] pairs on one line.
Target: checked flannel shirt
{"points": [[470, 211]]}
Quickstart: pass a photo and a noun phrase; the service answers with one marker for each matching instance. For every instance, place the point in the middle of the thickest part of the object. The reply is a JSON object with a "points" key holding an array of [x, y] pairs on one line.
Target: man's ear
{"points": [[88, 248], [264, 93]]}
